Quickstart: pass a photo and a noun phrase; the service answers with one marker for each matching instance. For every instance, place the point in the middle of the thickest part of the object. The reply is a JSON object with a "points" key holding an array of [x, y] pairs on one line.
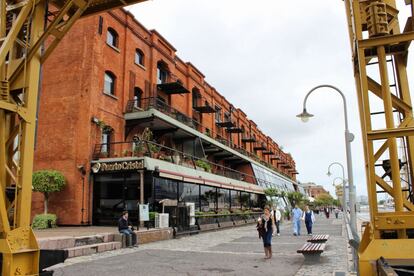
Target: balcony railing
{"points": [[160, 105], [161, 152]]}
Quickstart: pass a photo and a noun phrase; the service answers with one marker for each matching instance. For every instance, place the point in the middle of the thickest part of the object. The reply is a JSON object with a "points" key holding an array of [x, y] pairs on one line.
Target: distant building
{"points": [[362, 199], [314, 190]]}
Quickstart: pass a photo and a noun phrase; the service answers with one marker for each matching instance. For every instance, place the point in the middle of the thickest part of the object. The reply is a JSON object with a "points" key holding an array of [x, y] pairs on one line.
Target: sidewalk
{"points": [[234, 251]]}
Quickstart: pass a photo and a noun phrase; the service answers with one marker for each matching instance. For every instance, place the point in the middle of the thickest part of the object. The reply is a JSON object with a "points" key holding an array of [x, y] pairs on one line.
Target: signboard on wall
{"points": [[117, 166]]}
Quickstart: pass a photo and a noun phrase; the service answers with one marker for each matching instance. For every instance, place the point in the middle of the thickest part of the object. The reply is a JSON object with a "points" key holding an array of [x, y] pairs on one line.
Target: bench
{"points": [[318, 238], [312, 251]]}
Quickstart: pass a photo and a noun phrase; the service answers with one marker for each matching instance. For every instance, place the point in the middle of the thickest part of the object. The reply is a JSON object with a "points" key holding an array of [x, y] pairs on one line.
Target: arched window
{"points": [[137, 97], [109, 83], [162, 72], [196, 96], [139, 57], [112, 37]]}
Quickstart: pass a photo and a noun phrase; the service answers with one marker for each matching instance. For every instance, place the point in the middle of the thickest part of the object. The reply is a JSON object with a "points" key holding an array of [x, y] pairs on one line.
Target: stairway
{"points": [[83, 245]]}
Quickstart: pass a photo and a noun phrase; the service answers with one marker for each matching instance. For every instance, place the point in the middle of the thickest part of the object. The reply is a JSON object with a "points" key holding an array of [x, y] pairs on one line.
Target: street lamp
{"points": [[349, 137], [343, 182]]}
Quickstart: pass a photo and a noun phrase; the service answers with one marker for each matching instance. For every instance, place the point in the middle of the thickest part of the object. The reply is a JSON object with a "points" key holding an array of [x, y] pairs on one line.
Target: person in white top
{"points": [[277, 215]]}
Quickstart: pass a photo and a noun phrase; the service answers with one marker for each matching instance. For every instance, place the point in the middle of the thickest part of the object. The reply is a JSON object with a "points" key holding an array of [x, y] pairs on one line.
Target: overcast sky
{"points": [[264, 56]]}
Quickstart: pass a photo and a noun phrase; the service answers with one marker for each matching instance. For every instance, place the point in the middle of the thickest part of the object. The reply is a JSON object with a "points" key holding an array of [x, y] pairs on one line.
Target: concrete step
{"points": [[63, 242], [90, 249]]}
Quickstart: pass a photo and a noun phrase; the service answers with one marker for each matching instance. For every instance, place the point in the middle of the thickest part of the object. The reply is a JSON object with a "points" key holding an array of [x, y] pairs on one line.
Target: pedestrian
{"points": [[326, 209], [125, 228], [278, 217], [297, 217], [309, 219], [336, 211], [266, 228]]}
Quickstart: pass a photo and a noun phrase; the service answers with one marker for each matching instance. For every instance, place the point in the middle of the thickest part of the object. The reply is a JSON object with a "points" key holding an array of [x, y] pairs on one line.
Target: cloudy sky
{"points": [[264, 56]]}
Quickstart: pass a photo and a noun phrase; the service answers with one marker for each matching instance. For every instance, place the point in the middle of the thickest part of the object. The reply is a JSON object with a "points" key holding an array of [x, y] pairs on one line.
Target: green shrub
{"points": [[203, 164], [44, 221], [152, 215]]}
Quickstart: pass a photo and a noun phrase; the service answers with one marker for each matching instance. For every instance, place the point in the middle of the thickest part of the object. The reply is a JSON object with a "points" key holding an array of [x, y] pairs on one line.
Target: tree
{"points": [[46, 182], [295, 198], [324, 200], [272, 193]]}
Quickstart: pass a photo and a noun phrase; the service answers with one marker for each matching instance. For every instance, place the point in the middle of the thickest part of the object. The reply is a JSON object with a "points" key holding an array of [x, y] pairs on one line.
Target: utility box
{"points": [[191, 212], [162, 220]]}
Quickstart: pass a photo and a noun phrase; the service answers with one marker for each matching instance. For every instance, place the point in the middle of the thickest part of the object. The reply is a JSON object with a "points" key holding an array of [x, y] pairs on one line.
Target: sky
{"points": [[264, 56]]}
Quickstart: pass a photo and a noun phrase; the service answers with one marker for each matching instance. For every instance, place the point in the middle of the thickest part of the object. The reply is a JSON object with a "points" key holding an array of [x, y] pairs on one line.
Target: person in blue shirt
{"points": [[296, 220]]}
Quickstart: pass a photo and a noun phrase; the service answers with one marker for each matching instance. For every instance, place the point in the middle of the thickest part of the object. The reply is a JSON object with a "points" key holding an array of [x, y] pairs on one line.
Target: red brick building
{"points": [[108, 80]]}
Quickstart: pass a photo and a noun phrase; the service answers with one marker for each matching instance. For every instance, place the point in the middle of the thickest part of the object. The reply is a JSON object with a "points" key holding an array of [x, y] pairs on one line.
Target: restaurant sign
{"points": [[118, 166]]}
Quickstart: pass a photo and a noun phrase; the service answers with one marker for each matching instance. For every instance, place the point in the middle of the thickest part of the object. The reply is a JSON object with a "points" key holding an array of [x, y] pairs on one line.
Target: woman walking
{"points": [[309, 219], [266, 227]]}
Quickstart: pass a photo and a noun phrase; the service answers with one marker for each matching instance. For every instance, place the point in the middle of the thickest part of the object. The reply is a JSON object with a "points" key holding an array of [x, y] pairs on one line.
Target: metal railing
{"points": [[158, 104], [161, 152]]}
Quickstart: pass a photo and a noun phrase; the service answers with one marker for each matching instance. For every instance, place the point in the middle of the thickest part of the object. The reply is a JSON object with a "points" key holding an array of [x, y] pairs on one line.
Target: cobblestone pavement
{"points": [[236, 251]]}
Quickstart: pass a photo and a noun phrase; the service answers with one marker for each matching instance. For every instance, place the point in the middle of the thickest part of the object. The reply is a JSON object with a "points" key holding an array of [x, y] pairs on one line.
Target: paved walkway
{"points": [[236, 251]]}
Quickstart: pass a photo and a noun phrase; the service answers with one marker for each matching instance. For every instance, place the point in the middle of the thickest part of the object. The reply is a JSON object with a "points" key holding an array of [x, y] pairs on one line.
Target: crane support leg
{"points": [[29, 32]]}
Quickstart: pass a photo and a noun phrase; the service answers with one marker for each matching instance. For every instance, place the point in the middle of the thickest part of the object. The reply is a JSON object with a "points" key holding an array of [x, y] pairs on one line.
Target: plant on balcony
{"points": [[127, 153], [203, 164], [139, 149], [207, 132]]}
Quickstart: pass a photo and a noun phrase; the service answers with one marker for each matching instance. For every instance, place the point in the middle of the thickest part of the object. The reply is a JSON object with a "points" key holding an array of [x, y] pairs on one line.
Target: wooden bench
{"points": [[312, 251], [318, 238]]}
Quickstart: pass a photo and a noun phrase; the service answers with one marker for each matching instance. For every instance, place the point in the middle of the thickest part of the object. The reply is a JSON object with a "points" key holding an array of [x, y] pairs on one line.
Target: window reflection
{"points": [[207, 198]]}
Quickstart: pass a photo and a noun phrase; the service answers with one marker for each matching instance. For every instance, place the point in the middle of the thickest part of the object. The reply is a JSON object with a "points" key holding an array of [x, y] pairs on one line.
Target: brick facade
{"points": [[72, 94]]}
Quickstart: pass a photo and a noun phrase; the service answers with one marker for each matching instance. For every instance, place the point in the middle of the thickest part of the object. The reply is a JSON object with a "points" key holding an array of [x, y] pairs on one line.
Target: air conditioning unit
{"points": [[191, 212], [162, 220]]}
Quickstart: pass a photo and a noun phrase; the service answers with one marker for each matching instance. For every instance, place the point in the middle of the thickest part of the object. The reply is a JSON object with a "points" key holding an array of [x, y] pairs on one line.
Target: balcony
{"points": [[259, 146], [204, 108], [160, 152], [234, 130], [248, 139], [276, 157], [140, 113], [171, 88], [268, 152], [227, 124]]}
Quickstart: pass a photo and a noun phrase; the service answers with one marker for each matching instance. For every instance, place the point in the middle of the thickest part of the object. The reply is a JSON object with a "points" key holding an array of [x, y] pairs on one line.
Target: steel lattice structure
{"points": [[380, 52]]}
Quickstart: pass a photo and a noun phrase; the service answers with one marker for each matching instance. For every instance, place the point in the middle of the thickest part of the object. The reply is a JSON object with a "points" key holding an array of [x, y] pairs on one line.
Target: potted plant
{"points": [[204, 165], [138, 149], [127, 153]]}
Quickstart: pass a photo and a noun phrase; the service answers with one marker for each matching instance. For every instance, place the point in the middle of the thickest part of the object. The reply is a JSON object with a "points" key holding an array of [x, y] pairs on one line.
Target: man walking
{"points": [[277, 215], [296, 218]]}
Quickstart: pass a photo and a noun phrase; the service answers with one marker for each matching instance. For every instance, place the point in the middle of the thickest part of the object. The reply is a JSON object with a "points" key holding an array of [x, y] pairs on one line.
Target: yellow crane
{"points": [[31, 29], [379, 52]]}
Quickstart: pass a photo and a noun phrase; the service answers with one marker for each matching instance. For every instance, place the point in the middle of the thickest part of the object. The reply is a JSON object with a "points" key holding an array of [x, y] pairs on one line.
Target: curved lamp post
{"points": [[349, 137], [344, 181]]}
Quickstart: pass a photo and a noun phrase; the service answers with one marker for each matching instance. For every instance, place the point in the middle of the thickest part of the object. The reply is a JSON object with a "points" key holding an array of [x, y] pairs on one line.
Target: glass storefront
{"points": [[116, 192]]}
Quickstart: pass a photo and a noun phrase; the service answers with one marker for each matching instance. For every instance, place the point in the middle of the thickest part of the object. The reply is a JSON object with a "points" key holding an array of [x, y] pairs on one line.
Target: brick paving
{"points": [[236, 251]]}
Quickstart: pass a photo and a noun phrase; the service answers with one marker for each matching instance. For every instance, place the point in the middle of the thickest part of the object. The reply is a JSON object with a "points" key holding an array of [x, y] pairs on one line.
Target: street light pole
{"points": [[349, 137], [343, 183]]}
